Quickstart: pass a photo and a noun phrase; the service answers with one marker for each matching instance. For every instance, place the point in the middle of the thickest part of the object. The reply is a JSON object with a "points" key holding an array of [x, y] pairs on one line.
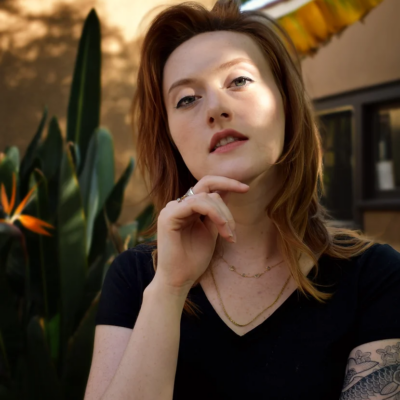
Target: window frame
{"points": [[371, 191], [338, 110], [362, 101]]}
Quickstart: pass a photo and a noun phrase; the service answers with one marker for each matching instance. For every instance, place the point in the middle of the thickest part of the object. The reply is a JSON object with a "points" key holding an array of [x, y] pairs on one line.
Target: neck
{"points": [[257, 236]]}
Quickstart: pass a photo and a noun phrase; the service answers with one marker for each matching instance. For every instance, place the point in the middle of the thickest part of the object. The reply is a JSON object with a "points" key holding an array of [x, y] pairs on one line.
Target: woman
{"points": [[254, 296]]}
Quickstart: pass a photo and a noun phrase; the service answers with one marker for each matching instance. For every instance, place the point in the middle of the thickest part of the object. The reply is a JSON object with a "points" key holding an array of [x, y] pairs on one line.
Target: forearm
{"points": [[148, 366]]}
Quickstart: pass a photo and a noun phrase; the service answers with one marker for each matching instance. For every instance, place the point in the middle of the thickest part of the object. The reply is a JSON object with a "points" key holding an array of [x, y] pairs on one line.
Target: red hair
{"points": [[302, 222]]}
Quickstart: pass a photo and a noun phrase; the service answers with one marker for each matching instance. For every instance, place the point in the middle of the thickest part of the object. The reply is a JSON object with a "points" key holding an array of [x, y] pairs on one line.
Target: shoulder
{"points": [[380, 253], [134, 265], [123, 286], [375, 268], [379, 269]]}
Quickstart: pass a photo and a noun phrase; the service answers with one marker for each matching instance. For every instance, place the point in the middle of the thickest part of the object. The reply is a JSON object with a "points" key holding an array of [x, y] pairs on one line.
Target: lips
{"points": [[223, 134]]}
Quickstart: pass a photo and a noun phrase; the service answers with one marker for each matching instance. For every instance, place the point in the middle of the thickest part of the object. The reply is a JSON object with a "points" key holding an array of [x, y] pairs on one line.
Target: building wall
{"points": [[384, 226], [365, 54]]}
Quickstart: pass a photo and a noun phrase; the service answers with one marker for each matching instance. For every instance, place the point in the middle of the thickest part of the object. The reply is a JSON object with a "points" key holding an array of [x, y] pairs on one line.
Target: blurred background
{"points": [[351, 68], [71, 196]]}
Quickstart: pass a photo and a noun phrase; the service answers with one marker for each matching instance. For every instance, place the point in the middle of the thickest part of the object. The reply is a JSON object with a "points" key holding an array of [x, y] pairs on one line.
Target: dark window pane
{"points": [[387, 147], [336, 133]]}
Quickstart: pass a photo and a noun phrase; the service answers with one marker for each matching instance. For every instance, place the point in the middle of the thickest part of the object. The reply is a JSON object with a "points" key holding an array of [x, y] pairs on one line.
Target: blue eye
{"points": [[182, 101], [242, 78]]}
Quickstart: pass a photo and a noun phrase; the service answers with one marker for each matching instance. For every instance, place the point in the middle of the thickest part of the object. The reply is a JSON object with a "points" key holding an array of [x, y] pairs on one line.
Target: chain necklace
{"points": [[265, 309], [243, 275]]}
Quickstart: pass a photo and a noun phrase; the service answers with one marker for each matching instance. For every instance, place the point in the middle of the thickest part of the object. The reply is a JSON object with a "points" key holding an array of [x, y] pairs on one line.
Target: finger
{"points": [[179, 213], [220, 184], [217, 199]]}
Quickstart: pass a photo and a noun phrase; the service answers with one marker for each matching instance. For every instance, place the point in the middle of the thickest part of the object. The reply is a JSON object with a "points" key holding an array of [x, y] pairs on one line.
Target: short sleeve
{"points": [[379, 295], [122, 292]]}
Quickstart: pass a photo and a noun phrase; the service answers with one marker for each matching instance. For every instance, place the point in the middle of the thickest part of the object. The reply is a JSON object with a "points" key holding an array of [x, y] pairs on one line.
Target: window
{"points": [[362, 166], [386, 149], [336, 132]]}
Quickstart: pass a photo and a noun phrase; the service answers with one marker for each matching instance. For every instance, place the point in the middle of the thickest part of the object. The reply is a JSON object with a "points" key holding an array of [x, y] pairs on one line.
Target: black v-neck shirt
{"points": [[299, 352]]}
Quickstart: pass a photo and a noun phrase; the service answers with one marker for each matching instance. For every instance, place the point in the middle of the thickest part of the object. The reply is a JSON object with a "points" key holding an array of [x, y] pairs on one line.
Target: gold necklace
{"points": [[243, 275], [265, 309]]}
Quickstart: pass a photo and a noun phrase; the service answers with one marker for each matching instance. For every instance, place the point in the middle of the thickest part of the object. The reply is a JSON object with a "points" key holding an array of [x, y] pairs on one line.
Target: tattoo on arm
{"points": [[374, 377]]}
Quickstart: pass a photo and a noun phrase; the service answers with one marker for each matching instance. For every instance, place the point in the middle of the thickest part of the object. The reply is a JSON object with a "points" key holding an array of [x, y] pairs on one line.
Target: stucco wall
{"points": [[366, 53]]}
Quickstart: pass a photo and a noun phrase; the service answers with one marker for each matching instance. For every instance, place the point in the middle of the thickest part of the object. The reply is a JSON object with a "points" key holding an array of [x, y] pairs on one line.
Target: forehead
{"points": [[206, 51]]}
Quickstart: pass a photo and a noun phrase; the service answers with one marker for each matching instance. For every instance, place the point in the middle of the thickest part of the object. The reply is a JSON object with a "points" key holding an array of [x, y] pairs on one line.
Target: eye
{"points": [[242, 81], [184, 101]]}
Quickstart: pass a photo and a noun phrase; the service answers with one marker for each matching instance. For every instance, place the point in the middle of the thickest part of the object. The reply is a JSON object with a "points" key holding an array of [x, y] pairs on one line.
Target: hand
{"points": [[186, 240]]}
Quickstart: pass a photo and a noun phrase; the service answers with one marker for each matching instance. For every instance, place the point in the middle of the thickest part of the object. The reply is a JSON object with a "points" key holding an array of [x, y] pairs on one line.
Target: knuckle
{"points": [[190, 199], [206, 179], [202, 195], [215, 196]]}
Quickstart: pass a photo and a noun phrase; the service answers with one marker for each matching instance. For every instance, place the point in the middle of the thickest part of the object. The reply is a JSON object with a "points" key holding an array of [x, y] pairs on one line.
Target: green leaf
{"points": [[129, 233], [11, 339], [97, 178], [7, 168], [75, 154], [43, 251], [94, 278], [80, 356], [14, 259], [116, 198], [111, 249], [72, 248], [53, 335], [51, 149], [13, 154], [84, 102], [99, 237], [31, 153], [105, 164], [145, 218], [43, 382]]}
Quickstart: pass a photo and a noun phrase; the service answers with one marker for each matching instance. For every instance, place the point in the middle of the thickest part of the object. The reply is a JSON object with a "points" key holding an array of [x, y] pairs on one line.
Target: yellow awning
{"points": [[312, 23]]}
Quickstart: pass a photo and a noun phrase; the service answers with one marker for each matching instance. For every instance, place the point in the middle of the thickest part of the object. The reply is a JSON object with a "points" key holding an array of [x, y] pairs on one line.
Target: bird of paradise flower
{"points": [[33, 224]]}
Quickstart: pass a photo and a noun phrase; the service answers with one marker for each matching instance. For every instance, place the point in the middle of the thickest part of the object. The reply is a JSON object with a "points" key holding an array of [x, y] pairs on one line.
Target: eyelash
{"points": [[186, 97]]}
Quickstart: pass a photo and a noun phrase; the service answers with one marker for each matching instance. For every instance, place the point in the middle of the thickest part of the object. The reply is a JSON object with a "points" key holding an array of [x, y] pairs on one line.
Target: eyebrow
{"points": [[224, 66]]}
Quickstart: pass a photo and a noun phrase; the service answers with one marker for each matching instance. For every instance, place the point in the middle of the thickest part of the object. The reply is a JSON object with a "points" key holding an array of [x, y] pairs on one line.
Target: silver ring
{"points": [[187, 194]]}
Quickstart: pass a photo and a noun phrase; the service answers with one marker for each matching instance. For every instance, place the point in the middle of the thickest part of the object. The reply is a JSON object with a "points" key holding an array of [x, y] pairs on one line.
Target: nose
{"points": [[218, 111]]}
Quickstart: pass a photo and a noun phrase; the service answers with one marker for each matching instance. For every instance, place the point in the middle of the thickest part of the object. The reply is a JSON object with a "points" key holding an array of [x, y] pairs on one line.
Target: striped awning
{"points": [[311, 23]]}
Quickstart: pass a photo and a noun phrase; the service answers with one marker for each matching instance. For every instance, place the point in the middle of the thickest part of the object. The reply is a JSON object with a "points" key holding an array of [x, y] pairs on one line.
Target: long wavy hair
{"points": [[302, 222]]}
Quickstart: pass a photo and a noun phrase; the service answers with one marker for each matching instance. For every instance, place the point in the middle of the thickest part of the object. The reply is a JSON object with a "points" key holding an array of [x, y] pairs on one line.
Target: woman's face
{"points": [[226, 83]]}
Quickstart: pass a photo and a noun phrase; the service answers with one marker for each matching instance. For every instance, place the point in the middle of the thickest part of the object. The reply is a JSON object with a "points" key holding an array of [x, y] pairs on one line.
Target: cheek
{"points": [[267, 113], [184, 135], [177, 128]]}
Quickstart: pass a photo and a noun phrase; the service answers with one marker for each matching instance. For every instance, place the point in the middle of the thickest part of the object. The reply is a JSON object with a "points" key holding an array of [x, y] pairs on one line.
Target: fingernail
{"points": [[232, 236]]}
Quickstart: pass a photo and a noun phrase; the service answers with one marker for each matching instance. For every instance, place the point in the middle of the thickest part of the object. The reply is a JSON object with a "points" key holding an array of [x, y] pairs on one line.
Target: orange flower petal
{"points": [[24, 201], [4, 200], [14, 191], [35, 224]]}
